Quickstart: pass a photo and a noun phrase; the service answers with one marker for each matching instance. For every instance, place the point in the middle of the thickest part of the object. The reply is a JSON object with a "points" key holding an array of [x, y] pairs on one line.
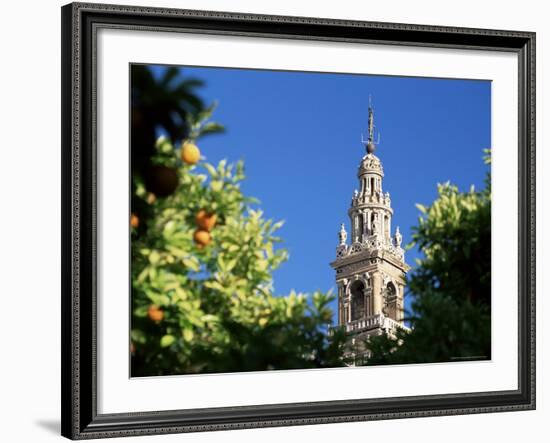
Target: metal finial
{"points": [[370, 144]]}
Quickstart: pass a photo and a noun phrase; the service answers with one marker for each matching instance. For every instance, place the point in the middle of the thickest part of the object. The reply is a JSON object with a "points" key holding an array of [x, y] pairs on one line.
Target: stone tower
{"points": [[370, 269]]}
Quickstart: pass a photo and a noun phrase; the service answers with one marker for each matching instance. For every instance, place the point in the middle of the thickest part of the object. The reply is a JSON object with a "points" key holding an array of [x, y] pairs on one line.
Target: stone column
{"points": [[376, 294], [367, 300], [369, 228], [347, 299], [401, 303], [340, 304]]}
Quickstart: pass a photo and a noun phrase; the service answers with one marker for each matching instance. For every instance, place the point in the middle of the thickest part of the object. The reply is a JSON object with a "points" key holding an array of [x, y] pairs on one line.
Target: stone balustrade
{"points": [[376, 321]]}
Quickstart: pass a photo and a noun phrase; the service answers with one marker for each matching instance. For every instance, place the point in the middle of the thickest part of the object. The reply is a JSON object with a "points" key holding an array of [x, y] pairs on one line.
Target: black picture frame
{"points": [[79, 175]]}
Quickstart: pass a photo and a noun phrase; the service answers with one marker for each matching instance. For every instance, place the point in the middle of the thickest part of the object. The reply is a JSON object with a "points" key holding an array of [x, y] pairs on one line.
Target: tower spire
{"points": [[370, 269], [371, 121], [370, 144]]}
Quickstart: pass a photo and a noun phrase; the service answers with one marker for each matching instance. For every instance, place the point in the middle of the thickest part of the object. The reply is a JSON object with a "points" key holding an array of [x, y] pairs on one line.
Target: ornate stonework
{"points": [[370, 268]]}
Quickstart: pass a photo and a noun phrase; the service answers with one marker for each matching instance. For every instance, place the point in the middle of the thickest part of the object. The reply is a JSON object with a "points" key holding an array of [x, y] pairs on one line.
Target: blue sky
{"points": [[299, 135]]}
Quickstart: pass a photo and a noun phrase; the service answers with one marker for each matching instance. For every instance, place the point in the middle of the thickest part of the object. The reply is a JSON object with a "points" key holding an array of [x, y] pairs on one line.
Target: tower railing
{"points": [[375, 321]]}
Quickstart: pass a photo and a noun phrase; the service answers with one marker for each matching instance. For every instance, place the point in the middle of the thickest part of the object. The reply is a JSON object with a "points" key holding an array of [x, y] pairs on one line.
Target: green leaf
{"points": [[216, 185], [167, 340], [192, 263], [211, 170], [188, 334], [154, 257], [230, 265], [421, 208], [211, 128]]}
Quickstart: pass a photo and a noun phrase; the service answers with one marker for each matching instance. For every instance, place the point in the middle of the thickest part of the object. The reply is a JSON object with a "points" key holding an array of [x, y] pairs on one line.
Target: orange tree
{"points": [[202, 293]]}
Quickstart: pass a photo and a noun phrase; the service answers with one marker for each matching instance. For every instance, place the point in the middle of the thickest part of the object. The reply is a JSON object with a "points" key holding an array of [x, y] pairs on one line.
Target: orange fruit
{"points": [[205, 220], [155, 313], [190, 154], [201, 237], [161, 180], [134, 221]]}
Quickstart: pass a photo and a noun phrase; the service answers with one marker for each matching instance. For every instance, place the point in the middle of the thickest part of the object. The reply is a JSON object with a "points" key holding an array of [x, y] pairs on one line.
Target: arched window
{"points": [[357, 300], [372, 187]]}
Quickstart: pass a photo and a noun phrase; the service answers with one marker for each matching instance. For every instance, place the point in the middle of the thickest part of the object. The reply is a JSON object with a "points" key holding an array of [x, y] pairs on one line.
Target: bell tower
{"points": [[371, 268]]}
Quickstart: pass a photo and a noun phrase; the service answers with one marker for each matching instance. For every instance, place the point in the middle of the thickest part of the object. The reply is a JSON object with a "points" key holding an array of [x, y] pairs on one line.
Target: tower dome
{"points": [[370, 164]]}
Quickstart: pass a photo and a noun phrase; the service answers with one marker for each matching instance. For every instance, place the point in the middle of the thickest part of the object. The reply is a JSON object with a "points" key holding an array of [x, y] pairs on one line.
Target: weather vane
{"points": [[369, 143]]}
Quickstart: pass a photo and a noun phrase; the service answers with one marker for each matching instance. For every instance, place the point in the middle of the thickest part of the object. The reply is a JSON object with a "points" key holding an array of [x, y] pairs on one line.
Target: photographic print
{"points": [[298, 220], [255, 206]]}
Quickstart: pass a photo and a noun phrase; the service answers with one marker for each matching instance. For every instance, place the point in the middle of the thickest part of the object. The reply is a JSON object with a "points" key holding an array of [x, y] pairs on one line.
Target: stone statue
{"points": [[398, 238], [342, 235]]}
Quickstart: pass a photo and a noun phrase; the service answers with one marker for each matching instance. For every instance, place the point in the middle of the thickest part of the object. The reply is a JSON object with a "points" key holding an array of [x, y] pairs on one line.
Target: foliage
{"points": [[455, 237], [215, 303], [169, 104], [451, 285], [166, 102], [444, 329]]}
